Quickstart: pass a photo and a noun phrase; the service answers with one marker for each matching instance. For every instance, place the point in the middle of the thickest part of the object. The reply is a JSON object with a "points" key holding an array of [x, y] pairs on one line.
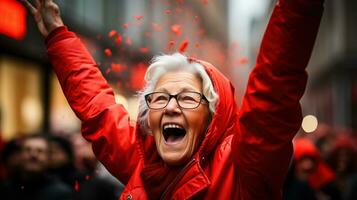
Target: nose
{"points": [[172, 106]]}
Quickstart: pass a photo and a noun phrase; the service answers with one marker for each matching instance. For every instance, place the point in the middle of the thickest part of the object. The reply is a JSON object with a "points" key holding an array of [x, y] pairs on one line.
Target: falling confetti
{"points": [[116, 67], [183, 46], [112, 33], [125, 26], [118, 39], [197, 45], [144, 49], [138, 17], [171, 44], [108, 52], [243, 60], [168, 11], [107, 71], [128, 41], [156, 27], [176, 29]]}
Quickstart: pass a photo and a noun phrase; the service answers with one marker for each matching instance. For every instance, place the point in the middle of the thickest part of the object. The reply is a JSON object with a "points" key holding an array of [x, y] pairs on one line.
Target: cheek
{"points": [[153, 120]]}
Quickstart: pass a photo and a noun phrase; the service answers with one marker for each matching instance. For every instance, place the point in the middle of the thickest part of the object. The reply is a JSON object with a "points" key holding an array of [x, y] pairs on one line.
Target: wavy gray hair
{"points": [[162, 64]]}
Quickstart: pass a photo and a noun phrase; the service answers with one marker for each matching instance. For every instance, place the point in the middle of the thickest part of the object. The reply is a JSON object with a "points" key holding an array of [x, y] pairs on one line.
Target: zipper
{"points": [[177, 179]]}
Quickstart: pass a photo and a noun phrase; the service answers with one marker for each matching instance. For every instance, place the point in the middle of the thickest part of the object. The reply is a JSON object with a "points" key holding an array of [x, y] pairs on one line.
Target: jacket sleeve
{"points": [[270, 114], [104, 123]]}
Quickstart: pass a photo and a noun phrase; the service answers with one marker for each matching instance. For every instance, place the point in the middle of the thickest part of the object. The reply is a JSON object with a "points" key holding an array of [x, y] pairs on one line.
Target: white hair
{"points": [[162, 64]]}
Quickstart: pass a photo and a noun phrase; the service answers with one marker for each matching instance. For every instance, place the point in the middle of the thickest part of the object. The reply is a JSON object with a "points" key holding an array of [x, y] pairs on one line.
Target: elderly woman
{"points": [[191, 141]]}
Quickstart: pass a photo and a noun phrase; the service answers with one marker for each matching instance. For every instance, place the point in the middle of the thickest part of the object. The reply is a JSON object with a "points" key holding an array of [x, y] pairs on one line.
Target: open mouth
{"points": [[173, 133]]}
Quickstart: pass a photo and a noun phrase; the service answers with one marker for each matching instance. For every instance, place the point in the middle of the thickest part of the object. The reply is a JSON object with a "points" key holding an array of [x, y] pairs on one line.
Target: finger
{"points": [[29, 6]]}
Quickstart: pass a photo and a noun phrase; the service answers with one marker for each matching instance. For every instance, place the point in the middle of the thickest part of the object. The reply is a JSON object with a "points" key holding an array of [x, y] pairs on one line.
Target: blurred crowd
{"points": [[324, 166], [45, 166], [52, 166]]}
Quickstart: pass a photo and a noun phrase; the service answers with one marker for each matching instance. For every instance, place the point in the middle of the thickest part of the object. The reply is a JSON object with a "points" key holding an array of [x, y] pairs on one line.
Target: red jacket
{"points": [[246, 152]]}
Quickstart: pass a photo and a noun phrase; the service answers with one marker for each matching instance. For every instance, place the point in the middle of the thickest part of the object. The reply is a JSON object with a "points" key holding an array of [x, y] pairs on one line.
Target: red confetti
{"points": [[205, 2], [126, 26], [107, 71], [118, 40], [197, 45], [171, 44], [168, 11], [243, 60], [180, 1], [76, 186], [183, 46], [108, 52], [116, 67], [138, 17], [156, 27], [128, 41], [176, 29], [87, 177], [144, 49], [112, 33]]}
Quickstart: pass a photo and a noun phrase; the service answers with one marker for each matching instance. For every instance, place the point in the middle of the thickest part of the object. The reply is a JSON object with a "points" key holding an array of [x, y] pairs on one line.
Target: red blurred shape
{"points": [[76, 186], [112, 33], [144, 49], [108, 52], [126, 25], [205, 2], [176, 29], [116, 67], [183, 46], [156, 27], [171, 44], [168, 11], [243, 60], [138, 17], [137, 76], [13, 19], [128, 41], [118, 39]]}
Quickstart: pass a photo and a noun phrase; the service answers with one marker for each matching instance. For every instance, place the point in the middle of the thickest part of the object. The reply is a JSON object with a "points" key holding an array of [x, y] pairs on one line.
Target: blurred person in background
{"points": [[324, 138], [86, 184], [310, 178], [34, 182], [343, 160], [191, 141], [11, 161]]}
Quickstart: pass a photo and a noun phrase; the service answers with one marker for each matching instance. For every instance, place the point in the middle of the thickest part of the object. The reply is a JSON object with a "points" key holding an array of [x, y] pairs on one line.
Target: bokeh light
{"points": [[309, 123]]}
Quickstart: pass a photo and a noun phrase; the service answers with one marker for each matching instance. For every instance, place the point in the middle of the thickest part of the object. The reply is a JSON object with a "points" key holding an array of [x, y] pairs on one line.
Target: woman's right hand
{"points": [[46, 14]]}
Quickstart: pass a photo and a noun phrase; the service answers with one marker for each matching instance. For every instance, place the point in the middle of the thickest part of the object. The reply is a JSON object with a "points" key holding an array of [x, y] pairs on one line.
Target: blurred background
{"points": [[123, 35]]}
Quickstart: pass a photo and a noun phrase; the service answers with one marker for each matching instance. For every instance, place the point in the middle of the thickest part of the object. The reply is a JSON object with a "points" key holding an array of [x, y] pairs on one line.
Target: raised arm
{"points": [[104, 123], [271, 115]]}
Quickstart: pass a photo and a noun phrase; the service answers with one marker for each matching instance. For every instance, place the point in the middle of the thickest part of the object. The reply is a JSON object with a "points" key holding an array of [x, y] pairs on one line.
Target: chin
{"points": [[174, 160]]}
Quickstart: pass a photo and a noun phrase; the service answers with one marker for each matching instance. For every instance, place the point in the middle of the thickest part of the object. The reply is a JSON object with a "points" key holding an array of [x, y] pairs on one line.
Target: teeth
{"points": [[172, 126]]}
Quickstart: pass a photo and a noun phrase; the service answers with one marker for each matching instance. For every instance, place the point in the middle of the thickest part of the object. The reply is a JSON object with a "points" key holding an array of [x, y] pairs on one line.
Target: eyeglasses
{"points": [[185, 100]]}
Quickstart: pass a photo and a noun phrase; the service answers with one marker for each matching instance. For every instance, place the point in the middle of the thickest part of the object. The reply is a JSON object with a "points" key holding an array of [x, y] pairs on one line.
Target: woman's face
{"points": [[178, 132]]}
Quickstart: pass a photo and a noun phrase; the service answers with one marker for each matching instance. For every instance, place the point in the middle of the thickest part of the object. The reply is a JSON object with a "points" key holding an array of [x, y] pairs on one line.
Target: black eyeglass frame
{"points": [[202, 97]]}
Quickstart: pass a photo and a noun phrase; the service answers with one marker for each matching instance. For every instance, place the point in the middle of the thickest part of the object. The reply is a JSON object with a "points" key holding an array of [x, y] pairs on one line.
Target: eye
{"points": [[159, 97], [189, 97]]}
